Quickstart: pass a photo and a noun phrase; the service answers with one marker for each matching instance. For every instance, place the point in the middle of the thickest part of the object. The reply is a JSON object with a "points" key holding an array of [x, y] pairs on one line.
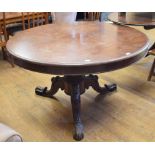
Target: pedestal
{"points": [[74, 86]]}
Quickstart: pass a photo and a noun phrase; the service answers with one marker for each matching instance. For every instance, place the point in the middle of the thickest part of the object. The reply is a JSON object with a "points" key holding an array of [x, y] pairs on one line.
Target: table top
{"points": [[78, 48], [131, 18]]}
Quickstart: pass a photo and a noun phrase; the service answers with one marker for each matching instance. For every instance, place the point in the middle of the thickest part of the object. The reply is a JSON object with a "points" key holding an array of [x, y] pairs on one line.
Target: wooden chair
{"points": [[92, 16], [3, 40], [3, 34], [28, 20], [152, 73], [34, 19]]}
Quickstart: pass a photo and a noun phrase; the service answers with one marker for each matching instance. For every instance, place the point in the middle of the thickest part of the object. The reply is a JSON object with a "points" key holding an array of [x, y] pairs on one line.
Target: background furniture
{"points": [[104, 16], [145, 19], [24, 20], [152, 73], [9, 135], [88, 16], [91, 16], [3, 40], [14, 17], [14, 20], [3, 36], [64, 17], [75, 51], [34, 19]]}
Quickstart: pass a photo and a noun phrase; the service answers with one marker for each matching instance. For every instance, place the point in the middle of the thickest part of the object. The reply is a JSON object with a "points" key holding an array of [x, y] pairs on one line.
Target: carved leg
{"points": [[10, 58], [4, 53], [7, 56], [57, 82], [74, 86], [92, 80], [76, 109]]}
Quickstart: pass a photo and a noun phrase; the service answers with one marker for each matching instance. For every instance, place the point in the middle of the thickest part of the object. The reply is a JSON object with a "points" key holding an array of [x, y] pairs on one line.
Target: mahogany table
{"points": [[77, 51]]}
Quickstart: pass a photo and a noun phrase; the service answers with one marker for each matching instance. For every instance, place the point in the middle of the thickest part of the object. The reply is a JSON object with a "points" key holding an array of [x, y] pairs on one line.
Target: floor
{"points": [[125, 115]]}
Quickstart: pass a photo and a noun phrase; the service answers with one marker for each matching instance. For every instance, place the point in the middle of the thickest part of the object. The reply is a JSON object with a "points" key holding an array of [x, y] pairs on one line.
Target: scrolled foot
{"points": [[41, 91], [111, 87], [57, 82], [92, 80], [78, 135]]}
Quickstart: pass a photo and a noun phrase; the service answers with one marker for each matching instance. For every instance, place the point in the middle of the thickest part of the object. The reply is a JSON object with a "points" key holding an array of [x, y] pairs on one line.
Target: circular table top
{"points": [[133, 18], [78, 48]]}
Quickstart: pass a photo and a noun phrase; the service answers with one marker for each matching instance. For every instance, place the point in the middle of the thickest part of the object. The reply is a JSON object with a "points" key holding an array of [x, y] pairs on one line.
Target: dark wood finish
{"points": [[146, 19], [57, 82], [92, 80], [74, 51], [74, 86], [80, 48]]}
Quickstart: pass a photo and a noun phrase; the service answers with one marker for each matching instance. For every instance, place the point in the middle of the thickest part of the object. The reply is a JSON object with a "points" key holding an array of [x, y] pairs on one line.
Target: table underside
{"points": [[74, 86]]}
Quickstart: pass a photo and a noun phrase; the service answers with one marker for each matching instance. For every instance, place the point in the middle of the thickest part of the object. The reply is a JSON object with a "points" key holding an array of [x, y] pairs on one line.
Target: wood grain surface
{"points": [[79, 48]]}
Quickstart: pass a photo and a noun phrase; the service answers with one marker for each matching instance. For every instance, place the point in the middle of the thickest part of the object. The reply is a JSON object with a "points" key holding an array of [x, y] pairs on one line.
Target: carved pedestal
{"points": [[75, 86]]}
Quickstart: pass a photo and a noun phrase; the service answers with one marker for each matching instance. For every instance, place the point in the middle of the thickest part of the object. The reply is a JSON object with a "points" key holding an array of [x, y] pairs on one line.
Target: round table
{"points": [[77, 51]]}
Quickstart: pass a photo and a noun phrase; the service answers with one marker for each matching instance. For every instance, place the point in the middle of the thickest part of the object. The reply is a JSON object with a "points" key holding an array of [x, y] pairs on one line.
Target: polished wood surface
{"points": [[80, 48], [127, 115], [130, 18]]}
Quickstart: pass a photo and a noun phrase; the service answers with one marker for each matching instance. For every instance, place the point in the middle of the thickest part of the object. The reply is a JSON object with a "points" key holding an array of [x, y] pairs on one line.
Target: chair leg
{"points": [[4, 53], [10, 60], [151, 71], [7, 57]]}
